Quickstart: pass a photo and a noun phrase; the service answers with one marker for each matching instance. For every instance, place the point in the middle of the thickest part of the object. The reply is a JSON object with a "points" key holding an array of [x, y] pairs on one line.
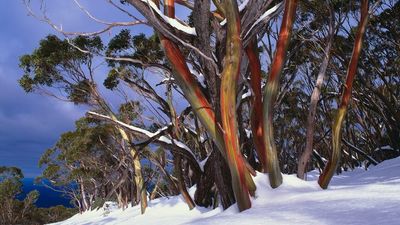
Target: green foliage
{"points": [[120, 42], [98, 203], [10, 173], [14, 211], [111, 82], [53, 214], [61, 65], [73, 149], [80, 92], [86, 159], [10, 182], [130, 111], [139, 47]]}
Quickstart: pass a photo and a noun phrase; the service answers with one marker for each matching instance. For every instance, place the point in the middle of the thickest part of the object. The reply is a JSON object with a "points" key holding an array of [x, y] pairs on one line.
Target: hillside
{"points": [[356, 197], [47, 197]]}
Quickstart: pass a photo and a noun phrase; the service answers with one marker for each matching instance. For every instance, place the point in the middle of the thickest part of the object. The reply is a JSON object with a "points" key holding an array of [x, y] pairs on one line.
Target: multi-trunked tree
{"points": [[221, 46]]}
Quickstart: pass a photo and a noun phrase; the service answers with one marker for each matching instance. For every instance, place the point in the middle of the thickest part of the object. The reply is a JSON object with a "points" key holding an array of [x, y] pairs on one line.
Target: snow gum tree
{"points": [[60, 69], [245, 70], [346, 96]]}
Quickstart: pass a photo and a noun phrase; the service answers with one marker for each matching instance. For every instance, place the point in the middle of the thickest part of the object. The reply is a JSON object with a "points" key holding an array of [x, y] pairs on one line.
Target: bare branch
{"points": [[173, 145], [109, 26]]}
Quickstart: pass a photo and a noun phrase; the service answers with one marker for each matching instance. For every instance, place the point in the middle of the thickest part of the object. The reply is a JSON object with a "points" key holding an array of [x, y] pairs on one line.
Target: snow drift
{"points": [[356, 197]]}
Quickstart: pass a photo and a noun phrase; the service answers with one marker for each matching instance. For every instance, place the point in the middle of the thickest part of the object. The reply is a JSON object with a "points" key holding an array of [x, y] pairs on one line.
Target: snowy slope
{"points": [[357, 197]]}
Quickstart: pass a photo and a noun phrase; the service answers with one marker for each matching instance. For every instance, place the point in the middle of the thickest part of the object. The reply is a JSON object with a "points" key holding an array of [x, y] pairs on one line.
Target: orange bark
{"points": [[271, 89], [333, 162], [256, 113]]}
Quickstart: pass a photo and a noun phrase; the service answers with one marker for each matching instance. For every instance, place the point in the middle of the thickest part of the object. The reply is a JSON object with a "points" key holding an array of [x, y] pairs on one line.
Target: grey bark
{"points": [[305, 157]]}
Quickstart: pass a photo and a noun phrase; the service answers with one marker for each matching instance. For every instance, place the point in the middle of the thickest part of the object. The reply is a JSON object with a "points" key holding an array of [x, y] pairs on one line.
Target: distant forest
{"points": [[18, 209]]}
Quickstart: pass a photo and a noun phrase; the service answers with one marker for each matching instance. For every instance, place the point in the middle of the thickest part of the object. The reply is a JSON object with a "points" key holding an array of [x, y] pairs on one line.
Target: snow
{"points": [[248, 133], [173, 22], [167, 80], [386, 147], [265, 15], [203, 162], [243, 5], [247, 94], [200, 77], [137, 129], [356, 197], [240, 7], [177, 143], [149, 134]]}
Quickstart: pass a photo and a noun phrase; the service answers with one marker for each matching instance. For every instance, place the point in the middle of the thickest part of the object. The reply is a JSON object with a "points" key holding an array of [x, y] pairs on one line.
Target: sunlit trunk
{"points": [[242, 182], [270, 92], [137, 168], [333, 162]]}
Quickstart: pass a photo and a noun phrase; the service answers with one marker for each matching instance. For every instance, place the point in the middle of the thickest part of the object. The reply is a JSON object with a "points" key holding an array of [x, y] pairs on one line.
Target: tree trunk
{"points": [[270, 92], [223, 180], [181, 182], [256, 103], [140, 186], [132, 188], [85, 205], [333, 163], [305, 157], [137, 168]]}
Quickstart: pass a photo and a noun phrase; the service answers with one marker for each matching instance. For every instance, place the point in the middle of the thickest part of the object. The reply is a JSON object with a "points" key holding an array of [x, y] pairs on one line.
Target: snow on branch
{"points": [[243, 5], [165, 25], [163, 139], [240, 7], [265, 17], [359, 151], [173, 22], [130, 127]]}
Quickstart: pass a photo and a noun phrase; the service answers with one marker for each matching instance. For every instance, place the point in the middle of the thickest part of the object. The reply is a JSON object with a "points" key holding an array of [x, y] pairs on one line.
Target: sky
{"points": [[32, 123], [29, 123]]}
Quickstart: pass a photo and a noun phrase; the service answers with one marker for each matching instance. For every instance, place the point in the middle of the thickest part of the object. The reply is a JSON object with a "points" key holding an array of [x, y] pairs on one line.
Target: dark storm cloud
{"points": [[29, 124]]}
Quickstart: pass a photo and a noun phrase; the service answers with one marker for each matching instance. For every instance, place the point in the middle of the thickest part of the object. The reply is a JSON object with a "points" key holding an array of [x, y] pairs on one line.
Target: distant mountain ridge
{"points": [[47, 198]]}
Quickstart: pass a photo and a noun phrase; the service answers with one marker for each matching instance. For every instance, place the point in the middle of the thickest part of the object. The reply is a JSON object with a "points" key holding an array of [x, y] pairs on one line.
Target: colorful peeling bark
{"points": [[256, 112], [189, 85], [270, 92], [332, 165], [242, 182], [227, 141], [137, 166]]}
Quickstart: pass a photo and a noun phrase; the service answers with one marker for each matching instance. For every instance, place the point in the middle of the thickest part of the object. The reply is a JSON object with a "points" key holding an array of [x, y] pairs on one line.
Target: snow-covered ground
{"points": [[356, 197]]}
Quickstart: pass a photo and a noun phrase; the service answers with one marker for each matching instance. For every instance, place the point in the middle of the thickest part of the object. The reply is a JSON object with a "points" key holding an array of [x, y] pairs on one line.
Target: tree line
{"points": [[14, 210]]}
